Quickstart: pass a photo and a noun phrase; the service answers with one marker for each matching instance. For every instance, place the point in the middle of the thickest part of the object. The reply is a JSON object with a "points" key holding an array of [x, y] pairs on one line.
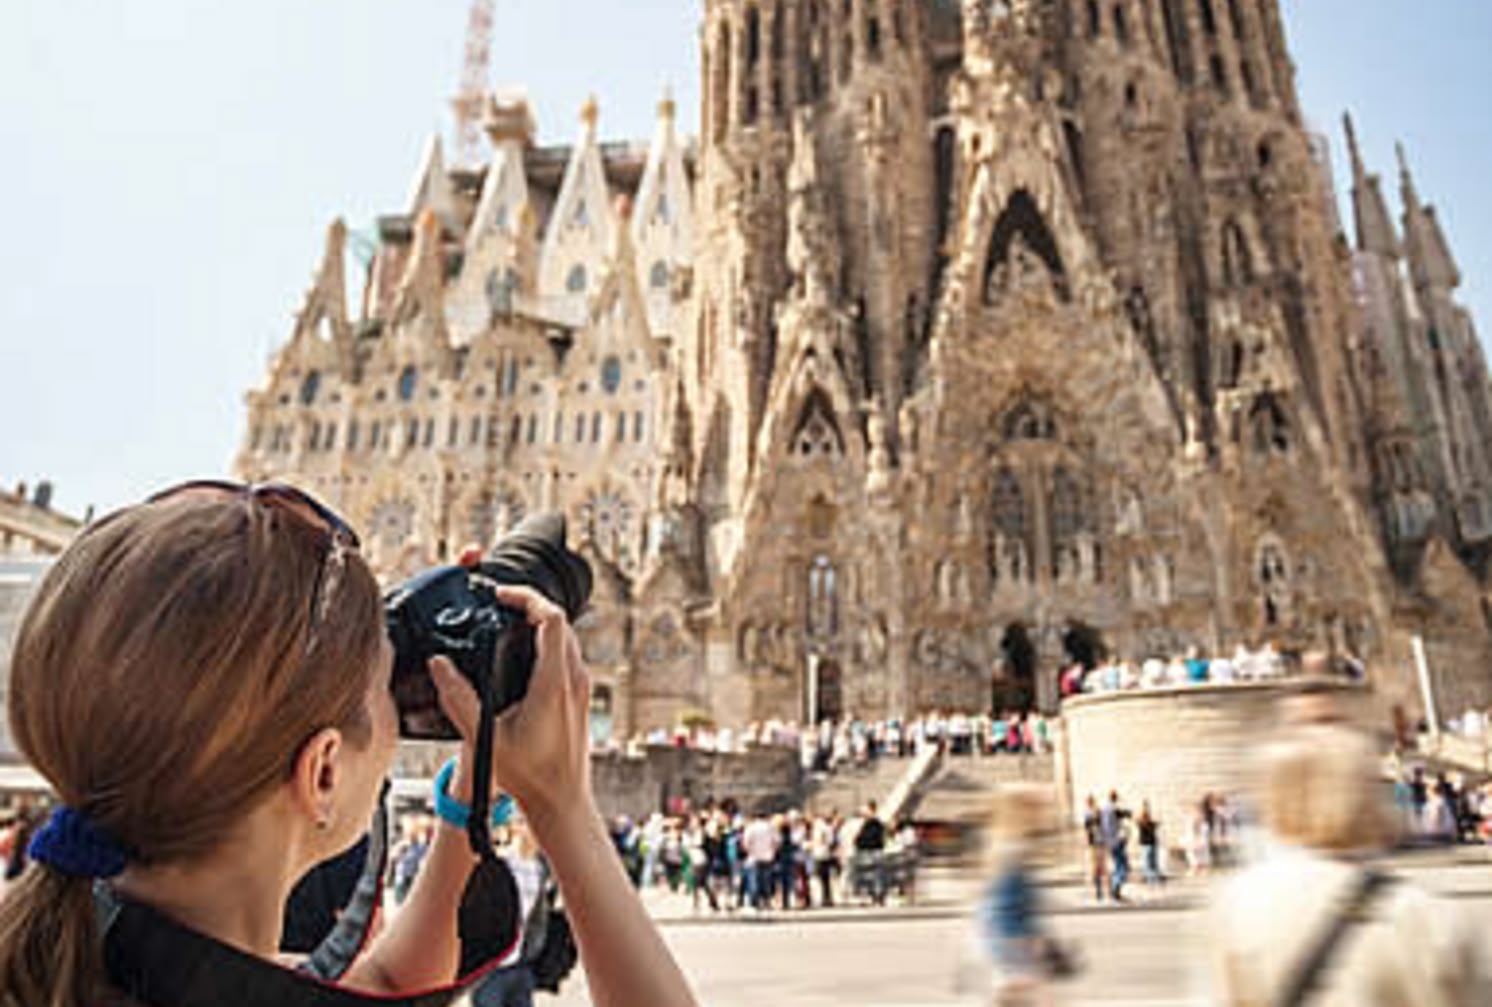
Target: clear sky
{"points": [[168, 167]]}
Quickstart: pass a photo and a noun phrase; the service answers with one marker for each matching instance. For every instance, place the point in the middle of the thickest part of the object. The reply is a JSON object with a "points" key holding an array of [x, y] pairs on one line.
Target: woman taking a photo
{"points": [[204, 681]]}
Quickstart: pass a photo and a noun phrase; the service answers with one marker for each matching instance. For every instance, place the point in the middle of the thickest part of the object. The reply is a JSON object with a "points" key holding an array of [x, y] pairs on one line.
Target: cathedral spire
{"points": [[423, 286], [582, 226], [432, 186], [1375, 229], [331, 278], [1430, 258], [662, 221]]}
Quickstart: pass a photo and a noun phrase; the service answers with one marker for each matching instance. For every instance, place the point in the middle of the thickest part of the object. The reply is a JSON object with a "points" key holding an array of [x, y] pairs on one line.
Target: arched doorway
{"points": [[1016, 689], [1083, 645], [828, 699]]}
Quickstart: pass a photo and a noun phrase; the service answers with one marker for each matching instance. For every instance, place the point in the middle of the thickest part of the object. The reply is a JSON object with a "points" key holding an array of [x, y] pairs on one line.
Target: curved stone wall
{"points": [[1172, 746]]}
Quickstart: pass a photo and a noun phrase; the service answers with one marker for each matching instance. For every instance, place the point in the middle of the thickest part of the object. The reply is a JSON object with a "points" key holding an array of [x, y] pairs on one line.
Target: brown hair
{"points": [[164, 679]]}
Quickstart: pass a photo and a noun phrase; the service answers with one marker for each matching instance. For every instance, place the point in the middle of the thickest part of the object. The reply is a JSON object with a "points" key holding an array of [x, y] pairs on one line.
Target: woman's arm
{"points": [[626, 962], [541, 756]]}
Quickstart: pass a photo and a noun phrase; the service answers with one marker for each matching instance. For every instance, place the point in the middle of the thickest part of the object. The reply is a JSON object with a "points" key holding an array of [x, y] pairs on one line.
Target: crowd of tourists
{"points": [[1308, 916], [1442, 810], [727, 860], [1208, 840], [853, 742], [849, 741], [1265, 664]]}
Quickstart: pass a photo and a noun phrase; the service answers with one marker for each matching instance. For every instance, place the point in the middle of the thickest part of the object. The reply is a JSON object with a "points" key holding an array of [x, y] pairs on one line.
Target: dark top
{"points": [[1148, 829], [872, 836]]}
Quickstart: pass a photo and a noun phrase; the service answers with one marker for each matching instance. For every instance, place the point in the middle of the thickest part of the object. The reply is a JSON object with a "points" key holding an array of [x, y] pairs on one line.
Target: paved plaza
{"points": [[1146, 954]]}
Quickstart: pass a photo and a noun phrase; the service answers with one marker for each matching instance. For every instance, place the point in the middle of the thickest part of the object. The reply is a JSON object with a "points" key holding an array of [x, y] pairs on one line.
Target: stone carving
{"points": [[1139, 581], [873, 641], [1011, 565], [1163, 580], [1022, 272], [1130, 517], [878, 460], [810, 249], [1087, 558], [963, 518]]}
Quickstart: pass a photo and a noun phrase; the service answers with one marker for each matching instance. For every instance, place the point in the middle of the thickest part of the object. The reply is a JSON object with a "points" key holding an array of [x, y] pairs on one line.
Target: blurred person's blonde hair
{"points": [[1018, 814], [1321, 791]]}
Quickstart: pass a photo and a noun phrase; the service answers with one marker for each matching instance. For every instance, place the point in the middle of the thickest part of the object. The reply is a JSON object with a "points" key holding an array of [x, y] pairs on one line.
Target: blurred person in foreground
{"points": [[1019, 958], [1314, 922], [204, 681]]}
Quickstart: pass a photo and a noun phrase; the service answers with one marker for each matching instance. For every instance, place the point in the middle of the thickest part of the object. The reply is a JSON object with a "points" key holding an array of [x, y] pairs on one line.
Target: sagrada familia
{"points": [[967, 339]]}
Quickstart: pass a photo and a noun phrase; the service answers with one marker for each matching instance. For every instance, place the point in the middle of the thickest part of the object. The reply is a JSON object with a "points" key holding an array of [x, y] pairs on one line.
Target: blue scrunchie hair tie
{"points": [[69, 843]]}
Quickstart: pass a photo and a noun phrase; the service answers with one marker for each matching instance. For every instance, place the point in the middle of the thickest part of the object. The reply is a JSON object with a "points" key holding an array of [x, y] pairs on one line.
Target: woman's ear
{"points": [[314, 781]]}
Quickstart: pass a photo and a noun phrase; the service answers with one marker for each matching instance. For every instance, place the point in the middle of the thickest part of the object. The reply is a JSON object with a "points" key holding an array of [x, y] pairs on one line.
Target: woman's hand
{"points": [[540, 747], [541, 755]]}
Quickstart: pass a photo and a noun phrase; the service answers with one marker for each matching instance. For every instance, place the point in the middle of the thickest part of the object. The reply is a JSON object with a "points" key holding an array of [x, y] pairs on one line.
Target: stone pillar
{"points": [[736, 73], [790, 59]]}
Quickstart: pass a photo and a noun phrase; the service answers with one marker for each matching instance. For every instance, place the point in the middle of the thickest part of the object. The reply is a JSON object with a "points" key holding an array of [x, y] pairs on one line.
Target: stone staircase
{"points": [[947, 788], [960, 790], [1469, 756], [847, 789]]}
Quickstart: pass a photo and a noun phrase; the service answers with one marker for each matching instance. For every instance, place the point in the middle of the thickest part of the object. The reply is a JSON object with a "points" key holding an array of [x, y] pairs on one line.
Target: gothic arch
{"points": [[1030, 419], [817, 433], [1021, 218], [1273, 580], [1269, 426]]}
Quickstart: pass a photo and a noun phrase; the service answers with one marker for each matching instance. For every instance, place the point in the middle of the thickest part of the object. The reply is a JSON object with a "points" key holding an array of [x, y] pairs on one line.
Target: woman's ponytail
{"points": [[49, 949]]}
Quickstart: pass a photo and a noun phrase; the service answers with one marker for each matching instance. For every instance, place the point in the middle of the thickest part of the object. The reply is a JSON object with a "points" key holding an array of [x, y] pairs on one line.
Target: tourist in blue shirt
{"points": [[1196, 668]]}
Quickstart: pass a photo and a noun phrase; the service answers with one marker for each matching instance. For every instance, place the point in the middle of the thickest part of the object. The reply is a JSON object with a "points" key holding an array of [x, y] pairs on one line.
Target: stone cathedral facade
{"points": [[967, 339]]}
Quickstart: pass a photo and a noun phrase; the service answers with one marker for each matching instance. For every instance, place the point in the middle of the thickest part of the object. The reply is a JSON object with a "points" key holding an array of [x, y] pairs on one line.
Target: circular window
{"points": [[309, 388], [409, 378], [575, 282], [611, 374]]}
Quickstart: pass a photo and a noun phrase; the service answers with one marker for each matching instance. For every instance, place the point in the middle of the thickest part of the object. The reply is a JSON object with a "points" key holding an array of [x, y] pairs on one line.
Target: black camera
{"points": [[454, 611]]}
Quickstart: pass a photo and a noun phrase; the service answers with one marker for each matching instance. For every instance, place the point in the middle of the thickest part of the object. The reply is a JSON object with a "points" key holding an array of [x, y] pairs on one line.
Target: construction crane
{"points": [[473, 92]]}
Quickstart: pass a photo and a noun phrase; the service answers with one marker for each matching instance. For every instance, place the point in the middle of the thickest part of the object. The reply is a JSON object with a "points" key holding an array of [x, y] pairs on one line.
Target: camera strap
{"points": [[490, 918]]}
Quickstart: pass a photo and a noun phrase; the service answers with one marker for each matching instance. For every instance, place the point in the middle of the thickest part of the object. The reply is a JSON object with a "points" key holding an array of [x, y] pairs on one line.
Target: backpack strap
{"points": [[1357, 909]]}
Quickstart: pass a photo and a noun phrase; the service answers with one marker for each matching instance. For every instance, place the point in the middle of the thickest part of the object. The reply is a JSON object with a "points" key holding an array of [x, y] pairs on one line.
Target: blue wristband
{"points": [[452, 811]]}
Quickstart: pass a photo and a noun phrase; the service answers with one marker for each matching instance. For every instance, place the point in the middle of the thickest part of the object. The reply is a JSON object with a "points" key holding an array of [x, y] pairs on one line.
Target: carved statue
{"points": [[1087, 556], [751, 645], [1013, 560], [1131, 520], [878, 461], [1139, 581], [963, 519], [1164, 588], [809, 249], [873, 641], [1069, 570]]}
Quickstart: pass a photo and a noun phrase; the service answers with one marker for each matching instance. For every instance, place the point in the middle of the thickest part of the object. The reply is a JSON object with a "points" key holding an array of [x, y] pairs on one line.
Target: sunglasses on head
{"points": [[303, 507]]}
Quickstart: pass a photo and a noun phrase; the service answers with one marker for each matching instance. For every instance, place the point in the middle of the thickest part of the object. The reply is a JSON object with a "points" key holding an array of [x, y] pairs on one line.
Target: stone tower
{"points": [[1024, 332], [850, 78]]}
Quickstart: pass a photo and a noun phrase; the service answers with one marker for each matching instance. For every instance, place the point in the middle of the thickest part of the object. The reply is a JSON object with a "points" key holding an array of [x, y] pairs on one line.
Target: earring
{"points": [[323, 823]]}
